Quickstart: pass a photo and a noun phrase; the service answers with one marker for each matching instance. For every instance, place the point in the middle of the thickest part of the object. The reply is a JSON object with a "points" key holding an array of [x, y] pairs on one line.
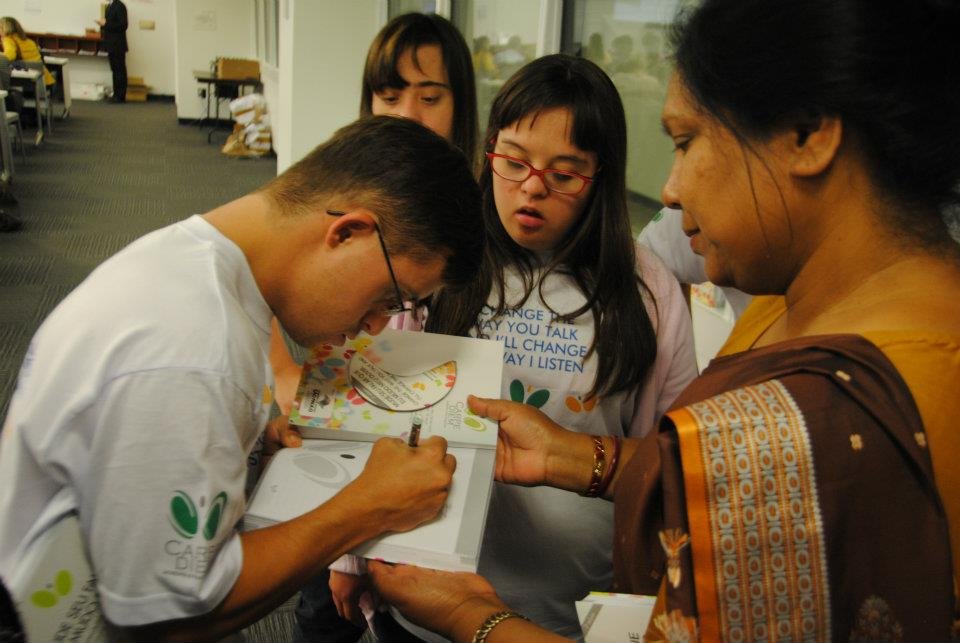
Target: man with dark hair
{"points": [[113, 33], [142, 396]]}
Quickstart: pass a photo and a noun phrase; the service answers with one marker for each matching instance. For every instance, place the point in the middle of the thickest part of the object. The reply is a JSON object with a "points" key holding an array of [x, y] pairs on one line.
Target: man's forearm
{"points": [[277, 561]]}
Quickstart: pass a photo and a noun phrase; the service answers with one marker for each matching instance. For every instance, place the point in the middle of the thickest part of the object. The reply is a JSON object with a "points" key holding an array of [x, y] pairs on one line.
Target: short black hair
{"points": [[420, 187]]}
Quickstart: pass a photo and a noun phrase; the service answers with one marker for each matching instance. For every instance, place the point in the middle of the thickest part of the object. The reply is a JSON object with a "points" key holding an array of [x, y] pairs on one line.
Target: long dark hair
{"points": [[598, 252], [407, 32], [882, 66]]}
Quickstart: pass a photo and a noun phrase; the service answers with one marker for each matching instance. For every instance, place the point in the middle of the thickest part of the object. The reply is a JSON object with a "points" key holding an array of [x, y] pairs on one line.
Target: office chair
{"points": [[42, 99], [13, 122]]}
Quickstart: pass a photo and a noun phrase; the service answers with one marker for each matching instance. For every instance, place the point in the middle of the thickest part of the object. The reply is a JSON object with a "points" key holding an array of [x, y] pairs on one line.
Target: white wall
{"points": [[323, 45], [205, 30], [150, 50]]}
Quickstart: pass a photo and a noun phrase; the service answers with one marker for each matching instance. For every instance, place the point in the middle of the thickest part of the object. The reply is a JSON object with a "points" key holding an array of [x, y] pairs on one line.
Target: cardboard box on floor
{"points": [[136, 89], [237, 68]]}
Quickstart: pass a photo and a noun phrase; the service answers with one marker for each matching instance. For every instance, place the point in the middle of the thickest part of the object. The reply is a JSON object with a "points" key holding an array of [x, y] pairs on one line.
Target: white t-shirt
{"points": [[545, 548], [137, 405], [664, 236]]}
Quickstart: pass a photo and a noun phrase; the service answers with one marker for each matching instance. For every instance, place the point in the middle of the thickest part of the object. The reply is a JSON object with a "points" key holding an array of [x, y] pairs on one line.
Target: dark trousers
{"points": [[118, 67]]}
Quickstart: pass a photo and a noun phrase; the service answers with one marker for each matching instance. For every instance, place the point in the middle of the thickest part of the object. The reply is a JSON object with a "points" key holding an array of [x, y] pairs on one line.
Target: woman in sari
{"points": [[803, 486]]}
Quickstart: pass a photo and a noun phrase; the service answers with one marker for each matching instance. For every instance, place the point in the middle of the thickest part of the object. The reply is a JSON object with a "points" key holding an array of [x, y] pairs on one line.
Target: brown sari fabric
{"points": [[789, 495]]}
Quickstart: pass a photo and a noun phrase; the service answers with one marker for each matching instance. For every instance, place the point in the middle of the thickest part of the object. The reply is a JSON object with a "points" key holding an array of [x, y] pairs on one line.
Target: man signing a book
{"points": [[144, 393]]}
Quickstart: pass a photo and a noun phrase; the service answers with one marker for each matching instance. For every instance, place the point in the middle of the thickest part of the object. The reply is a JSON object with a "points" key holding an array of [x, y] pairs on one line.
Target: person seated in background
{"points": [[623, 57], [805, 486], [595, 51], [483, 62], [510, 57], [17, 46], [158, 363], [14, 99]]}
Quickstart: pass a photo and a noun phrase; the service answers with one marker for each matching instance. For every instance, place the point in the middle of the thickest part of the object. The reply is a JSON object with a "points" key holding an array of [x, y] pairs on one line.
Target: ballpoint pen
{"points": [[414, 437]]}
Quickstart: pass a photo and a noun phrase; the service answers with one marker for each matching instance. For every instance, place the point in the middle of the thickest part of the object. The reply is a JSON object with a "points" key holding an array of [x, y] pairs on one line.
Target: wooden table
{"points": [[215, 88]]}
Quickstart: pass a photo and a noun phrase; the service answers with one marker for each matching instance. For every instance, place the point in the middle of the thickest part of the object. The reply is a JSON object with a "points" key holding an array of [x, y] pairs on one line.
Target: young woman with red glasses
{"points": [[596, 332]]}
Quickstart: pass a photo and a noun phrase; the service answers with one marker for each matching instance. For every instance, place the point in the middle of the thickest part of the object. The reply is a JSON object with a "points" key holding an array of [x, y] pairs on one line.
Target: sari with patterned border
{"points": [[788, 495]]}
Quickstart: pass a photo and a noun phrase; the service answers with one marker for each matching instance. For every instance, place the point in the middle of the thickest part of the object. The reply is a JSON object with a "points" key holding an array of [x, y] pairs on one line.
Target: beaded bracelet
{"points": [[492, 621], [599, 462], [612, 468]]}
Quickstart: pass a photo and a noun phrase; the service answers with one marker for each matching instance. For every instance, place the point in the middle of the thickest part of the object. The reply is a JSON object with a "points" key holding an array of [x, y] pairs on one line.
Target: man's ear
{"points": [[353, 224], [814, 144]]}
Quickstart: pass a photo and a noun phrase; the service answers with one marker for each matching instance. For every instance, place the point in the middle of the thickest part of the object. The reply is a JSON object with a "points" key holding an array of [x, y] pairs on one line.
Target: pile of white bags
{"points": [[251, 130]]}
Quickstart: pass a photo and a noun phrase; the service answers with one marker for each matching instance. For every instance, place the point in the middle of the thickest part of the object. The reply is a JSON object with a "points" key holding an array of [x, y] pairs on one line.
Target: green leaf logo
{"points": [[61, 586], [186, 520], [471, 420], [213, 518], [537, 399], [183, 515], [516, 391]]}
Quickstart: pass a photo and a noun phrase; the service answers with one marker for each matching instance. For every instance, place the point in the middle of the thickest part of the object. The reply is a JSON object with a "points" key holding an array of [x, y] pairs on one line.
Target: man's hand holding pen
{"points": [[408, 485]]}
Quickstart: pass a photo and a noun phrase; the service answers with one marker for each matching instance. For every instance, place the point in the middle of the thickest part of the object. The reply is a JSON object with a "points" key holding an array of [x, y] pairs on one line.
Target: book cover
{"points": [[298, 480], [375, 386], [352, 395], [54, 589]]}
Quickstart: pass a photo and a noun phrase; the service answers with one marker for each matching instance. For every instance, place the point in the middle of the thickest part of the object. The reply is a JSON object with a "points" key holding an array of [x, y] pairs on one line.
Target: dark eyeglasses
{"points": [[514, 169], [399, 306]]}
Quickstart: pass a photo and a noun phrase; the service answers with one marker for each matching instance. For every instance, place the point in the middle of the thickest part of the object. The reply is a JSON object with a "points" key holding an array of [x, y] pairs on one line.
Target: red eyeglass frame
{"points": [[540, 173]]}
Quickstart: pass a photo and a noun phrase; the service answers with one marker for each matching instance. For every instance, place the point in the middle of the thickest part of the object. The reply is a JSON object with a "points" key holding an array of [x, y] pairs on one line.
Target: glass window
{"points": [[400, 7], [265, 14], [502, 35], [629, 39]]}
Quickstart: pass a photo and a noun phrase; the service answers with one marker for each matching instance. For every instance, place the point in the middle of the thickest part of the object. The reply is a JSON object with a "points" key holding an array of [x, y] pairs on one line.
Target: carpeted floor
{"points": [[106, 175]]}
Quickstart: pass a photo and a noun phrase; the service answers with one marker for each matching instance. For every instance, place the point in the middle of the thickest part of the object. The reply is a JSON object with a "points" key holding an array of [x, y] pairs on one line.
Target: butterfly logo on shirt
{"points": [[54, 591], [186, 519], [575, 404], [536, 399]]}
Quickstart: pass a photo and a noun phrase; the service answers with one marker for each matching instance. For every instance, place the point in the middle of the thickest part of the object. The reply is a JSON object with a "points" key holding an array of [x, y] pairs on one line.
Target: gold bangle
{"points": [[599, 464], [492, 621], [612, 467]]}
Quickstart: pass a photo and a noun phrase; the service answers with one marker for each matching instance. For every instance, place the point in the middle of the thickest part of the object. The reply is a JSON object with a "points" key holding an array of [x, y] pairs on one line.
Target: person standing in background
{"points": [[113, 31]]}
